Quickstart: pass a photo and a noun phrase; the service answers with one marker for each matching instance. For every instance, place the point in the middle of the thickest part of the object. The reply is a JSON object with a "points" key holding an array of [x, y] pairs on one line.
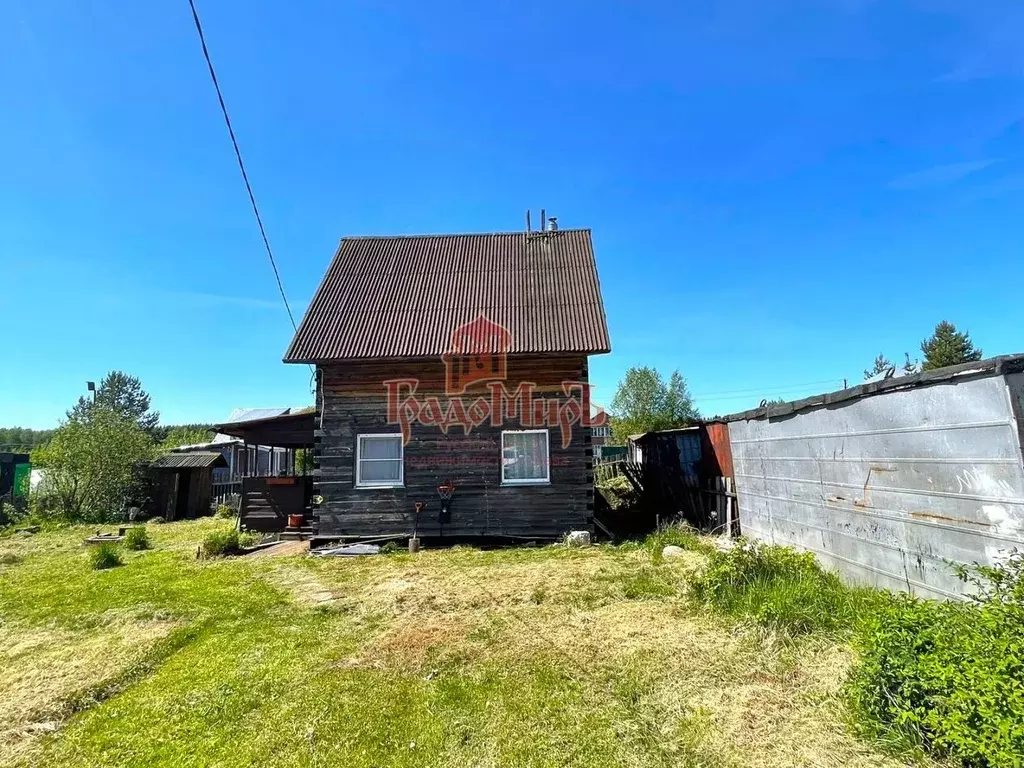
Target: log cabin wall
{"points": [[351, 401]]}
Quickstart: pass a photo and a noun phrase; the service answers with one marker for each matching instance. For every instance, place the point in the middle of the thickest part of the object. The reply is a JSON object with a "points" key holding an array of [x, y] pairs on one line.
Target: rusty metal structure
{"points": [[892, 481]]}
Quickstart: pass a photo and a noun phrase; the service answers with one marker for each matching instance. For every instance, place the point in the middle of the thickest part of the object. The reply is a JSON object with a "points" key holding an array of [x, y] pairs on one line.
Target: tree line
{"points": [[22, 439], [645, 401]]}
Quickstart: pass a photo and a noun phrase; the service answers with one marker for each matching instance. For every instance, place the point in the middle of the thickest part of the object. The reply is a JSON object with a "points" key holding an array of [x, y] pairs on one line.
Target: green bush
{"points": [[221, 543], [136, 538], [947, 677], [249, 539], [390, 548], [225, 511], [105, 555], [779, 588]]}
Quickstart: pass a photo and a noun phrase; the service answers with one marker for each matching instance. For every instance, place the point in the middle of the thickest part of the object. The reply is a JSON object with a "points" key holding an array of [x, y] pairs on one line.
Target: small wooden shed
{"points": [[183, 483]]}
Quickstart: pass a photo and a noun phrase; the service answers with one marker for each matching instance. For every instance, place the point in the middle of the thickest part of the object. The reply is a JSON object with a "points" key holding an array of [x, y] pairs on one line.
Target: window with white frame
{"points": [[524, 457], [379, 461]]}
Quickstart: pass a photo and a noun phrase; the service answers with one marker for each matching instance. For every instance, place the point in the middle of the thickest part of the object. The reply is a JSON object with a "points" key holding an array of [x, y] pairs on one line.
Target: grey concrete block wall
{"points": [[888, 487]]}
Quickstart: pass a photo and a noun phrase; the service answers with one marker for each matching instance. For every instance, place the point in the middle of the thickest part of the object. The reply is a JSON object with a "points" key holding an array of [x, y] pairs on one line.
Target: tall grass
{"points": [[679, 535], [780, 589], [105, 555]]}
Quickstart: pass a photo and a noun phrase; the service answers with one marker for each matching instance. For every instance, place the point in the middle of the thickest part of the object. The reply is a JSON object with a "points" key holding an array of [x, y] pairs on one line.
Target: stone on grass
{"points": [[578, 539], [672, 551]]}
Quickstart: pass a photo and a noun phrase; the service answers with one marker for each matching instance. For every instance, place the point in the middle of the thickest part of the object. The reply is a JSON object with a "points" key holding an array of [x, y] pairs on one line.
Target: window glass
{"points": [[379, 460], [524, 456]]}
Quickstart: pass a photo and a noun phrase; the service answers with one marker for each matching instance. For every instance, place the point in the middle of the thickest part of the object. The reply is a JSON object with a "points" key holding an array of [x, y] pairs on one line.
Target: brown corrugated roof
{"points": [[389, 297], [195, 460]]}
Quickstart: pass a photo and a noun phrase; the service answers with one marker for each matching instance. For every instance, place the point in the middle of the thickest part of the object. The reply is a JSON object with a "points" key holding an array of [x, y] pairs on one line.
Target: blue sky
{"points": [[778, 191]]}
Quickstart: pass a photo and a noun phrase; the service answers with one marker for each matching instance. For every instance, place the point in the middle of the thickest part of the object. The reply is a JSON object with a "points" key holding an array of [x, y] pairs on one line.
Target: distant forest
{"points": [[22, 439]]}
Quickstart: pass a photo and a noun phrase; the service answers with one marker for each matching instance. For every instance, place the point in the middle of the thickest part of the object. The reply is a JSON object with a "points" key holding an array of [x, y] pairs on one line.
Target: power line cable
{"points": [[241, 165]]}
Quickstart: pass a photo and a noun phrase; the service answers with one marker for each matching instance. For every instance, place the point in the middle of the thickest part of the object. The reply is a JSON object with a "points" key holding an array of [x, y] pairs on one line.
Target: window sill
{"points": [[364, 487], [515, 483]]}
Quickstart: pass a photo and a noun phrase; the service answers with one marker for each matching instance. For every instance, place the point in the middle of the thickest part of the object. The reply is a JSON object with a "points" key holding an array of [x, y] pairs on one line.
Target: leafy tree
{"points": [[948, 346], [643, 402], [92, 465], [881, 365], [122, 394], [186, 434]]}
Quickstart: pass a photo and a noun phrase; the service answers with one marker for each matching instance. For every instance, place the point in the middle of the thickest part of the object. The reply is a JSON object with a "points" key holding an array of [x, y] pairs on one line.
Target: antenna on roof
{"points": [[543, 220], [528, 221]]}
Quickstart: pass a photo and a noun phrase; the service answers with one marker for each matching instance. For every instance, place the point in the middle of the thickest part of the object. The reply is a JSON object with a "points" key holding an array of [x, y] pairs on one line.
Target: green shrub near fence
{"points": [[948, 677]]}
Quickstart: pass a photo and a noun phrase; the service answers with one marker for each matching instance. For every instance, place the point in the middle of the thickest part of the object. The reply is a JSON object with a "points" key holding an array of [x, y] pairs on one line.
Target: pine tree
{"points": [[948, 346], [881, 365], [123, 395]]}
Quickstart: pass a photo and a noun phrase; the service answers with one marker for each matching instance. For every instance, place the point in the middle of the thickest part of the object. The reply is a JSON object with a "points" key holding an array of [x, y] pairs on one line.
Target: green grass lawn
{"points": [[527, 657]]}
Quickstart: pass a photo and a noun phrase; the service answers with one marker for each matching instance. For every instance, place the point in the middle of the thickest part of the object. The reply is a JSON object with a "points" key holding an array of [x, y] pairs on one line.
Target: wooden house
{"points": [[460, 363]]}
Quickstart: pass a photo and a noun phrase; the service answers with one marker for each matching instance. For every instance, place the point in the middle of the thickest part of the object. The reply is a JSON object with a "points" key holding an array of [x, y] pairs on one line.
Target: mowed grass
{"points": [[520, 657]]}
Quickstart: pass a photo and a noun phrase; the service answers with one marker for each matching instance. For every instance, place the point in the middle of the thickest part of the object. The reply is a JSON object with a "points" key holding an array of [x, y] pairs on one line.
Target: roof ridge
{"points": [[466, 234]]}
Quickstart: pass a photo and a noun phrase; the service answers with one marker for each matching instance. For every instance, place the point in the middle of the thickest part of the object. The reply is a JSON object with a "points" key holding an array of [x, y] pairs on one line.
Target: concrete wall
{"points": [[886, 488]]}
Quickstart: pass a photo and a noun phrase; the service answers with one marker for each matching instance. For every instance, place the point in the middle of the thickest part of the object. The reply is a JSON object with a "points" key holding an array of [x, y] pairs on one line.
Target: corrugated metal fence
{"points": [[890, 486]]}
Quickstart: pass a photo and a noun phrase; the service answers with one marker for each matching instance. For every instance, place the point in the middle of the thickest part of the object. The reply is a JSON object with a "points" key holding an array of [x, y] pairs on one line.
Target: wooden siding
{"points": [[352, 401]]}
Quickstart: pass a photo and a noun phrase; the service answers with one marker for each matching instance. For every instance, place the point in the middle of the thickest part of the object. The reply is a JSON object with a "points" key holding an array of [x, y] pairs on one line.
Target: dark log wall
{"points": [[352, 401]]}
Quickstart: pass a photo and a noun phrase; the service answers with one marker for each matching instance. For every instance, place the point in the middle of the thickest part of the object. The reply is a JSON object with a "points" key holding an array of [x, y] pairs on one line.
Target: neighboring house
{"points": [[455, 360], [245, 460], [599, 434]]}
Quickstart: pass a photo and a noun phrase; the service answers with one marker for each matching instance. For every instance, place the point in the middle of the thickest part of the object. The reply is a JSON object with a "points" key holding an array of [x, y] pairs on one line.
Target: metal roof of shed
{"points": [[195, 460]]}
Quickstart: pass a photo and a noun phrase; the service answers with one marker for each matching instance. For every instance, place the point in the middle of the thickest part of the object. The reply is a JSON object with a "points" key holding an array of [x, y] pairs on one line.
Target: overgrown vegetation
{"points": [[780, 589], [228, 541], [679, 536], [136, 538], [105, 555], [225, 511], [221, 543], [948, 678], [617, 491]]}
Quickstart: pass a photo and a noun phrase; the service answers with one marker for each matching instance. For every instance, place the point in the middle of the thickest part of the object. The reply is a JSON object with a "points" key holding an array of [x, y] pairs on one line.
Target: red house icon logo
{"points": [[479, 352]]}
